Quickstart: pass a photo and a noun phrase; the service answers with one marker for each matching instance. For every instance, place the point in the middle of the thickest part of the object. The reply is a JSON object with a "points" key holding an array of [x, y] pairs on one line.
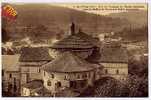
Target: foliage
{"points": [[138, 86], [5, 36], [138, 67], [110, 88], [133, 86]]}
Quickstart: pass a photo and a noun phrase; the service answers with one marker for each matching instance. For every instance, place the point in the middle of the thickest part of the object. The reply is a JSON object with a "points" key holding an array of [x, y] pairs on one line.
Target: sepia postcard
{"points": [[74, 50]]}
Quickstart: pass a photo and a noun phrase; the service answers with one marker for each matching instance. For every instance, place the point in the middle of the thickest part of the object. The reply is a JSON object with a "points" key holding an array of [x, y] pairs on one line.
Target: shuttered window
{"points": [[10, 75], [106, 71], [117, 71]]}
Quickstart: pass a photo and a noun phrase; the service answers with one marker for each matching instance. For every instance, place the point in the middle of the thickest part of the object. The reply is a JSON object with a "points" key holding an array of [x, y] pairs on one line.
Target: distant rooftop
{"points": [[34, 54], [114, 55]]}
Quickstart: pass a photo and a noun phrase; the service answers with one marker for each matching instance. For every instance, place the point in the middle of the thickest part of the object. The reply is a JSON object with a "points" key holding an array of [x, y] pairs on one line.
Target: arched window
{"points": [[117, 71], [49, 83]]}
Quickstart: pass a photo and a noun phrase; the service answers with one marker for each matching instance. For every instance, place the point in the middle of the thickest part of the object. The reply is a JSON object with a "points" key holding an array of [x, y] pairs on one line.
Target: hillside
{"points": [[131, 16], [47, 21]]}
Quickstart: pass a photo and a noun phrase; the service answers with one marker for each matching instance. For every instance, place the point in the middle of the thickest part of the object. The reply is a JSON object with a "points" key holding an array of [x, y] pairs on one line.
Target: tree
{"points": [[5, 36], [110, 88], [133, 86], [138, 86]]}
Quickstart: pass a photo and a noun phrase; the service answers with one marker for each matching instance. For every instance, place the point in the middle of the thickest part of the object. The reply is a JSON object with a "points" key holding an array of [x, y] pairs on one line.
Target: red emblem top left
{"points": [[9, 12]]}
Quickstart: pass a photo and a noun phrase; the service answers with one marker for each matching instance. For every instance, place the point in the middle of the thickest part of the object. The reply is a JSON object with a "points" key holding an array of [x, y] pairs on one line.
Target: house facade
{"points": [[68, 71], [30, 62], [114, 58], [11, 74], [70, 65]]}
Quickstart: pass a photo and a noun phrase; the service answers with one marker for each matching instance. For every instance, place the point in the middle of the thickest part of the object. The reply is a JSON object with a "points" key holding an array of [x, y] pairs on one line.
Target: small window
{"points": [[44, 73], [89, 74], [52, 75], [84, 75], [2, 72], [65, 77], [39, 70], [49, 83], [58, 84], [14, 80], [106, 71], [78, 76], [117, 71], [10, 75]]}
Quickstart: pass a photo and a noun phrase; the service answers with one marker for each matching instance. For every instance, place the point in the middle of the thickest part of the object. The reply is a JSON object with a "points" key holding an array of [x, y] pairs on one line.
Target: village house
{"points": [[30, 62], [114, 58], [69, 65], [68, 71], [11, 74]]}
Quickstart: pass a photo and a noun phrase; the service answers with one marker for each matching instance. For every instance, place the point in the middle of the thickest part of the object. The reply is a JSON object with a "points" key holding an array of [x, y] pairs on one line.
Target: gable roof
{"points": [[68, 62], [33, 54], [114, 55]]}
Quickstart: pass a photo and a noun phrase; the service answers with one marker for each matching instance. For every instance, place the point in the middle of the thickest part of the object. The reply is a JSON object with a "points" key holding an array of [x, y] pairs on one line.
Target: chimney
{"points": [[73, 28]]}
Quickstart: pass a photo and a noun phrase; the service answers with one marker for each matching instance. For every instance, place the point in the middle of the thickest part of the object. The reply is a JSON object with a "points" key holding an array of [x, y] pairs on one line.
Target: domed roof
{"points": [[73, 41], [68, 62], [78, 40]]}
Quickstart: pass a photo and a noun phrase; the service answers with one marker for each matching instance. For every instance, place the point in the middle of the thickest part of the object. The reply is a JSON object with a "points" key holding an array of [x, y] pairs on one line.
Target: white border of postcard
{"points": [[86, 1]]}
